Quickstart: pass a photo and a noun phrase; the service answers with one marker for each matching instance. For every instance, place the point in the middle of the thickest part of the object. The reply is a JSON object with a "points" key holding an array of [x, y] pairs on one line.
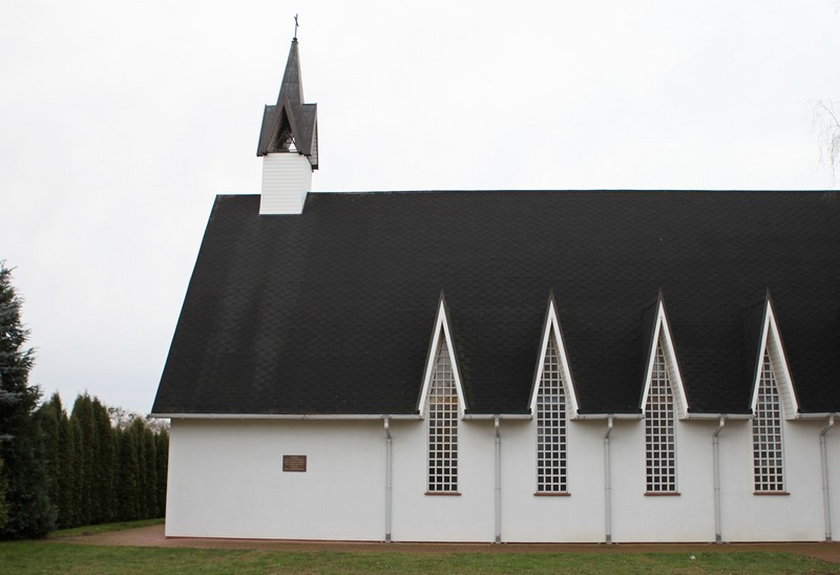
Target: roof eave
{"points": [[294, 416]]}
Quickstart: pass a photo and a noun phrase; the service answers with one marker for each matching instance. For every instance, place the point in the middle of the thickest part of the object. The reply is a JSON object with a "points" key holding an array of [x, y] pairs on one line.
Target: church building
{"points": [[504, 366]]}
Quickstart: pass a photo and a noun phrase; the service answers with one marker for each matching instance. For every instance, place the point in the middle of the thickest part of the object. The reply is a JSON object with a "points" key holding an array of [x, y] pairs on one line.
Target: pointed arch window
{"points": [[551, 424], [443, 425], [660, 439], [768, 453]]}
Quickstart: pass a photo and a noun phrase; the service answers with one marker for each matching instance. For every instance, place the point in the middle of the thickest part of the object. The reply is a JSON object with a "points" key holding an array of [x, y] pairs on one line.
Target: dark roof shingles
{"points": [[331, 311]]}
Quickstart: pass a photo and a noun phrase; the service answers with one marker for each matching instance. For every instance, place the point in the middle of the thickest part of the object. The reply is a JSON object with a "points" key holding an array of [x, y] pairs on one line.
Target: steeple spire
{"points": [[288, 143], [290, 125]]}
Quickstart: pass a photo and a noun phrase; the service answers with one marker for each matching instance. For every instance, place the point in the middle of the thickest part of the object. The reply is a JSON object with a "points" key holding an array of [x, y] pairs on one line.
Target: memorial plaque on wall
{"points": [[294, 463]]}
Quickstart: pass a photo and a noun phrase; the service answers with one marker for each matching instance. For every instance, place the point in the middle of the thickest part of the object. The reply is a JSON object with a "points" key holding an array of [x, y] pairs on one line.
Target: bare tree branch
{"points": [[827, 125]]}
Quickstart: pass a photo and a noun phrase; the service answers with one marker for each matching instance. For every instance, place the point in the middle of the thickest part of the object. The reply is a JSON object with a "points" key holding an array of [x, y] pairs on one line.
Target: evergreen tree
{"points": [[150, 476], [162, 450], [103, 481], [138, 430], [96, 470], [87, 462], [48, 417], [76, 515], [3, 512], [28, 508], [66, 469], [128, 472]]}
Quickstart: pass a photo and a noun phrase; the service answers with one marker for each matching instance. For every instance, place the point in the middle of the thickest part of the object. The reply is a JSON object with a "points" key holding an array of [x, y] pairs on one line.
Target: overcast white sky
{"points": [[120, 121]]}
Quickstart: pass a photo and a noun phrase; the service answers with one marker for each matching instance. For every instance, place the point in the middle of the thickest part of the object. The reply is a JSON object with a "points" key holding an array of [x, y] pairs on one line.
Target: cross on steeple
{"points": [[296, 26]]}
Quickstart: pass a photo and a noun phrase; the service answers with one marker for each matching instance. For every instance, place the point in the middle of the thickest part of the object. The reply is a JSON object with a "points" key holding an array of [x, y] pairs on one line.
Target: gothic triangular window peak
{"points": [[553, 336], [771, 346], [662, 343], [440, 334], [442, 404]]}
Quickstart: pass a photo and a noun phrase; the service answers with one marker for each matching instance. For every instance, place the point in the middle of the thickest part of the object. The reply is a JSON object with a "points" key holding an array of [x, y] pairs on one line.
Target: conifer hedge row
{"points": [[60, 471], [99, 472]]}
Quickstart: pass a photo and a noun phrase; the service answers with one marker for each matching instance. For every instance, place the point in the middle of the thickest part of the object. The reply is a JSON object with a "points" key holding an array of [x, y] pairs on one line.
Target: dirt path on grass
{"points": [[153, 537]]}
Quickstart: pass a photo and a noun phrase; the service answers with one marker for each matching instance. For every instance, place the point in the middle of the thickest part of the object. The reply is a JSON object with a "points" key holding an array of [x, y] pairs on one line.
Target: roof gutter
{"points": [[826, 415], [609, 416], [496, 416], [718, 416], [294, 416]]}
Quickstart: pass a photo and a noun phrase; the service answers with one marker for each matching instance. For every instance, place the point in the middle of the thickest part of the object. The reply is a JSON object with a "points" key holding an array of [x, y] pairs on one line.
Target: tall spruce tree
{"points": [[29, 511]]}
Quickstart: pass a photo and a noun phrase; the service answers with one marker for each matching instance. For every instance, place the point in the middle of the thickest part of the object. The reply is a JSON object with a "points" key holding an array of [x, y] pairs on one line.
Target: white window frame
{"points": [[660, 426], [768, 424], [552, 456], [660, 429], [443, 416], [768, 438], [441, 343]]}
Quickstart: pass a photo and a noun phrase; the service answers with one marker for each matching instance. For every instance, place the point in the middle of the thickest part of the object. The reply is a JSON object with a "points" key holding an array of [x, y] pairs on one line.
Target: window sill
{"points": [[662, 493], [444, 493], [552, 494], [771, 493]]}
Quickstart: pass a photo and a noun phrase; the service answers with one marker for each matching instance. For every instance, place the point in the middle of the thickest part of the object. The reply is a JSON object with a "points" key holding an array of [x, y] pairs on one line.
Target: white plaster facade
{"points": [[226, 479]]}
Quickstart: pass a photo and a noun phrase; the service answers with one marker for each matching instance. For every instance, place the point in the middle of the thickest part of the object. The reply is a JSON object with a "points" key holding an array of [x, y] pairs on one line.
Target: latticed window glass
{"points": [[660, 449], [768, 457], [443, 425], [551, 424]]}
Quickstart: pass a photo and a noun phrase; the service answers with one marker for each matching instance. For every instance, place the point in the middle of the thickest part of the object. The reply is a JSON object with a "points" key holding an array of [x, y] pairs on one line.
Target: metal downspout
{"points": [[388, 479], [716, 472], [607, 483], [498, 462], [824, 462]]}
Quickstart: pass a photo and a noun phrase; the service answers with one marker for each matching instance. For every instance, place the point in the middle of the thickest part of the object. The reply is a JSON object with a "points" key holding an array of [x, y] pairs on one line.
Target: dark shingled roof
{"points": [[331, 311]]}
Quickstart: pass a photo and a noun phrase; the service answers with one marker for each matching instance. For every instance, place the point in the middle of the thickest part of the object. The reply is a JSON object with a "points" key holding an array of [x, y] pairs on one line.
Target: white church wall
{"points": [[833, 453], [688, 516], [226, 479], [578, 517], [797, 516], [465, 517]]}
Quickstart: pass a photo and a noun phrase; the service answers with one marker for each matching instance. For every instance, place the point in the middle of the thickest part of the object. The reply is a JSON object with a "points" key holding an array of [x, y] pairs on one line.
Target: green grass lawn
{"points": [[44, 557], [103, 528]]}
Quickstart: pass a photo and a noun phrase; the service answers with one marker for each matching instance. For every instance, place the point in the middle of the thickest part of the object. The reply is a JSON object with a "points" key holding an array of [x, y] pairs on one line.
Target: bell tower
{"points": [[288, 144]]}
